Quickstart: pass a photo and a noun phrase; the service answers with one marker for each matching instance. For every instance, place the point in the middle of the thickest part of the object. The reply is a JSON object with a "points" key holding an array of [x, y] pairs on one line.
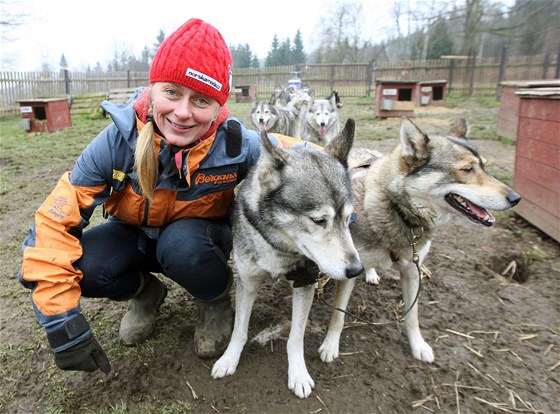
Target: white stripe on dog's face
{"points": [[324, 237], [263, 116]]}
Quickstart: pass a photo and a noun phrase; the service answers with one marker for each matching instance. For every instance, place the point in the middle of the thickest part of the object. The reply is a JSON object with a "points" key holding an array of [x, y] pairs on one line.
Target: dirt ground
{"points": [[496, 339]]}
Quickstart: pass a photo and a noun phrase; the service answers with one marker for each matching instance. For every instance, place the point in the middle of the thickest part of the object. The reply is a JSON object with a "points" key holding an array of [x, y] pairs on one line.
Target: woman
{"points": [[165, 171]]}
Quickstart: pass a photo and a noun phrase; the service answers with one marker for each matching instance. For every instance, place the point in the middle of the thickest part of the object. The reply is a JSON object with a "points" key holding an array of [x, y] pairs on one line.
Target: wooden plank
{"points": [[538, 194], [537, 172], [538, 108], [539, 218], [543, 152], [539, 129]]}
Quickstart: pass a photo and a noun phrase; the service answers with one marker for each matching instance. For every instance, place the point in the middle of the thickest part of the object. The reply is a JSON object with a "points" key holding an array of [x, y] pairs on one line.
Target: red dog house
{"points": [[431, 93], [508, 115], [42, 115], [537, 159], [395, 98]]}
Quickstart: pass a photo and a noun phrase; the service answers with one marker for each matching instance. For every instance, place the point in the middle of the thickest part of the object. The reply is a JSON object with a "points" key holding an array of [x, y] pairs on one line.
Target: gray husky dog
{"points": [[401, 199], [291, 218], [321, 122], [272, 118]]}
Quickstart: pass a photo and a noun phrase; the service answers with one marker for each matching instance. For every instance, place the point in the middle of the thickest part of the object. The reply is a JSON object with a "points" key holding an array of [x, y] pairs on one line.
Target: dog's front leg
{"points": [[409, 284], [245, 295], [329, 349], [299, 380]]}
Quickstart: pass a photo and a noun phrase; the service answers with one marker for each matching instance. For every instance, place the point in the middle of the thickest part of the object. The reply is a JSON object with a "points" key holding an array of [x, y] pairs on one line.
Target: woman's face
{"points": [[181, 114]]}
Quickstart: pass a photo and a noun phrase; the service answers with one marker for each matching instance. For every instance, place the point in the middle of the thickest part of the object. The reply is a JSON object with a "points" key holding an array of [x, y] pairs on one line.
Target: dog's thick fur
{"points": [[321, 123], [294, 208], [298, 105], [425, 182], [272, 118]]}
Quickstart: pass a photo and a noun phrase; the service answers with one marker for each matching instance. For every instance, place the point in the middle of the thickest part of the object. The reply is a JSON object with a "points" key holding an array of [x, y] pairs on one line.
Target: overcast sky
{"points": [[90, 32]]}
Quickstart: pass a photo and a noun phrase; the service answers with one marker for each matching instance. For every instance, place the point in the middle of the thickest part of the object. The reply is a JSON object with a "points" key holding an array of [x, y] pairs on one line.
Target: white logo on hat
{"points": [[195, 74]]}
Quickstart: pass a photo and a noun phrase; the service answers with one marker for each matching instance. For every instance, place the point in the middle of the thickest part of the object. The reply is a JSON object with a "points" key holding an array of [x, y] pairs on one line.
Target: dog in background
{"points": [[271, 118], [291, 218], [298, 105], [401, 199], [321, 123]]}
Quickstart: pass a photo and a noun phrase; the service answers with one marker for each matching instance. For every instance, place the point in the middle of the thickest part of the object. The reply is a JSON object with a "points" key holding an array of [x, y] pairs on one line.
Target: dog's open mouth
{"points": [[473, 212]]}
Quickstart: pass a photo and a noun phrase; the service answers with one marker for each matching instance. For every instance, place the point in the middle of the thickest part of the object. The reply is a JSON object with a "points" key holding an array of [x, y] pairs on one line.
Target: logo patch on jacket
{"points": [[59, 206], [217, 179], [118, 175]]}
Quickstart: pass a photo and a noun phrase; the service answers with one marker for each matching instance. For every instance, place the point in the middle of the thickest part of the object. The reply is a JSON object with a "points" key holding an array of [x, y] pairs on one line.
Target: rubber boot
{"points": [[139, 323], [214, 326]]}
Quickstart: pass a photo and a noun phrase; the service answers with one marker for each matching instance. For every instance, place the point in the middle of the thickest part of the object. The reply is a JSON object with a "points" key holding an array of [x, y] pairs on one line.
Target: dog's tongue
{"points": [[262, 127], [481, 213], [322, 130]]}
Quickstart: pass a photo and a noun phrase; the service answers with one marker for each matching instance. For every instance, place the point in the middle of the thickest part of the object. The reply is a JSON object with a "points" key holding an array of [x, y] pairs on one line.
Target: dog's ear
{"points": [[341, 145], [459, 128], [271, 162], [332, 99], [414, 144]]}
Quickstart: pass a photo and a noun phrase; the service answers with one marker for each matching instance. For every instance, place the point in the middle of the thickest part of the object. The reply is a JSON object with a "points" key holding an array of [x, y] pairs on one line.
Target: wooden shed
{"points": [[537, 159], [245, 93], [431, 93], [42, 115], [508, 114], [395, 98]]}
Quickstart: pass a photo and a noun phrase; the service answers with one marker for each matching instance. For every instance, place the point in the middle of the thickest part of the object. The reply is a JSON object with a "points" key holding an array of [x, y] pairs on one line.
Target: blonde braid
{"points": [[146, 160]]}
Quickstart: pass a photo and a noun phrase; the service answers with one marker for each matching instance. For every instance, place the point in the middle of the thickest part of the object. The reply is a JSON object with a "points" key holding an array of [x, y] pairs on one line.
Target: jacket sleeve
{"points": [[53, 243]]}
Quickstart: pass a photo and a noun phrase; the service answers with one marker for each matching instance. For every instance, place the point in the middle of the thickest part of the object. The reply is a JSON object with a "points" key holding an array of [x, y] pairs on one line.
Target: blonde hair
{"points": [[146, 160]]}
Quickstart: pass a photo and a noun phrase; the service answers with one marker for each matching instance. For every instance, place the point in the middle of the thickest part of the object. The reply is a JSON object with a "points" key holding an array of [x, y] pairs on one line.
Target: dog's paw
{"points": [[224, 366], [301, 384], [372, 277], [328, 351], [423, 352]]}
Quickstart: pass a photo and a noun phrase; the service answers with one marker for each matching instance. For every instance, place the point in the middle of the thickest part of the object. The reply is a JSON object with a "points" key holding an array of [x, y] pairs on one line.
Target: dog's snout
{"points": [[354, 270], [513, 198]]}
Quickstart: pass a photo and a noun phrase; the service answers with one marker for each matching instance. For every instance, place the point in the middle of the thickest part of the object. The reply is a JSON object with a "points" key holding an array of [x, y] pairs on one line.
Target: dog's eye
{"points": [[467, 169], [320, 221]]}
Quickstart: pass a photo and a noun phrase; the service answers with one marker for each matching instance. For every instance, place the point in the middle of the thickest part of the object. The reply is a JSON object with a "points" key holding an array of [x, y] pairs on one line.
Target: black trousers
{"points": [[192, 252]]}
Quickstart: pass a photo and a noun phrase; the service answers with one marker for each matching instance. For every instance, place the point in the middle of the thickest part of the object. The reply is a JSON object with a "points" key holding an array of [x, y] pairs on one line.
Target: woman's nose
{"points": [[183, 109]]}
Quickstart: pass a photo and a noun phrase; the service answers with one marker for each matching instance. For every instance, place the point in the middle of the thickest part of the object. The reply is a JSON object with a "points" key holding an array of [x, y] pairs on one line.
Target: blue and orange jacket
{"points": [[104, 174]]}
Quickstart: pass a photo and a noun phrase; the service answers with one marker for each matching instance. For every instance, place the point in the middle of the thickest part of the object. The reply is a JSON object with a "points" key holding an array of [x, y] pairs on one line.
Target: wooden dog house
{"points": [[42, 115], [431, 93], [537, 158], [508, 115], [395, 98], [245, 93]]}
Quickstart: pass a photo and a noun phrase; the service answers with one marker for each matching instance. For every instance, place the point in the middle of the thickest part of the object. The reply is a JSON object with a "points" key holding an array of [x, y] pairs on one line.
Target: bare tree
{"points": [[11, 18], [340, 35]]}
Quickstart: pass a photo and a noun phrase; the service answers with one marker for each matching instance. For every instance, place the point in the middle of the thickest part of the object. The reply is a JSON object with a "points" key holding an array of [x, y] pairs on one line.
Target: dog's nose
{"points": [[354, 270], [513, 198]]}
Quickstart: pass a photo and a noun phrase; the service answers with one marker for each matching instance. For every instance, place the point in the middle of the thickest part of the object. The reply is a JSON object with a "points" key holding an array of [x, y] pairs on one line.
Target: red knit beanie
{"points": [[196, 56]]}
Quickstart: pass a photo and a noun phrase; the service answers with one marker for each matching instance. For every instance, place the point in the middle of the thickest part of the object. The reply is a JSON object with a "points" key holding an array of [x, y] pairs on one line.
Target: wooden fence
{"points": [[464, 76]]}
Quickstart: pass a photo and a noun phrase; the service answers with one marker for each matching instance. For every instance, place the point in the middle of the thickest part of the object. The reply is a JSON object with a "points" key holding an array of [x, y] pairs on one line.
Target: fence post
{"points": [[66, 82], [128, 79], [472, 66], [501, 73], [546, 64], [557, 75], [451, 72], [370, 76]]}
